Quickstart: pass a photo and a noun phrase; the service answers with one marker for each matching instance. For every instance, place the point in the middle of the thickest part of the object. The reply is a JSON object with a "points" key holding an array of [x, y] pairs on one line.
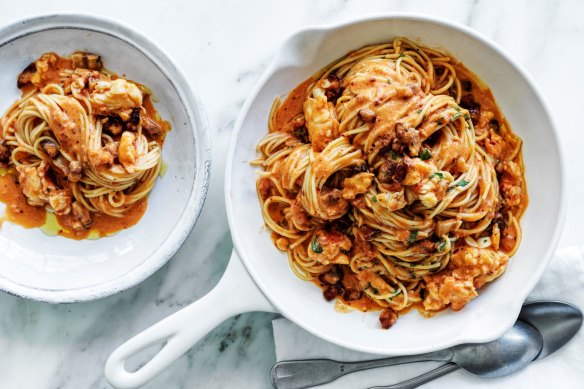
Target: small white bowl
{"points": [[59, 270]]}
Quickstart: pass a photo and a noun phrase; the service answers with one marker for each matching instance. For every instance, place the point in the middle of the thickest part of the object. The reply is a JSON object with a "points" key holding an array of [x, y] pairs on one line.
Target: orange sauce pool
{"points": [[292, 106], [103, 225], [18, 211]]}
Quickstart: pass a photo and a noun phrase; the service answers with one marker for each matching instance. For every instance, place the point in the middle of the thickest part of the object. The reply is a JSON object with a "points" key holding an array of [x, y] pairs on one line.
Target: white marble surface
{"points": [[223, 46]]}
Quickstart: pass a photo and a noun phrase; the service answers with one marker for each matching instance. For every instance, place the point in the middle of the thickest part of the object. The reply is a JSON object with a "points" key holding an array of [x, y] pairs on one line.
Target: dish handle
{"points": [[235, 293]]}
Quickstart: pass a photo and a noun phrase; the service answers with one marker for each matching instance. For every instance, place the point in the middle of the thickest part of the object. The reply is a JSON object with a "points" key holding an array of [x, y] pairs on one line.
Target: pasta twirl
{"points": [[392, 181]]}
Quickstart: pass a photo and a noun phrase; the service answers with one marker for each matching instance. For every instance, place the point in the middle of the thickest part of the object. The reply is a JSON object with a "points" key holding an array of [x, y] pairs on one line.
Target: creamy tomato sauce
{"points": [[17, 209], [103, 225], [292, 106]]}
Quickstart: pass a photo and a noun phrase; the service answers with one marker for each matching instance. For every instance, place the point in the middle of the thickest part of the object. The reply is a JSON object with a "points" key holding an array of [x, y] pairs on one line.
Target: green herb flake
{"points": [[439, 121], [437, 174], [374, 198], [425, 154], [456, 116], [423, 117], [412, 275], [316, 247], [373, 289], [442, 247], [413, 236], [462, 183], [457, 108], [467, 117], [419, 111], [402, 55], [389, 80], [393, 155]]}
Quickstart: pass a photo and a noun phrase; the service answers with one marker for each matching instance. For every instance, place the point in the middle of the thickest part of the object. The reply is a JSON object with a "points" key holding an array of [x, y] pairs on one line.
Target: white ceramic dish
{"points": [[483, 319], [56, 269]]}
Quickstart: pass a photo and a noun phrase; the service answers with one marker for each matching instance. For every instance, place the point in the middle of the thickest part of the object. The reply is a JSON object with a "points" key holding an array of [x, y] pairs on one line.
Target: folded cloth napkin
{"points": [[563, 280]]}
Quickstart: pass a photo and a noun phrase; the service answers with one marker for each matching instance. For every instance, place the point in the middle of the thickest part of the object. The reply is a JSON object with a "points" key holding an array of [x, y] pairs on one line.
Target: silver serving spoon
{"points": [[556, 321], [506, 355]]}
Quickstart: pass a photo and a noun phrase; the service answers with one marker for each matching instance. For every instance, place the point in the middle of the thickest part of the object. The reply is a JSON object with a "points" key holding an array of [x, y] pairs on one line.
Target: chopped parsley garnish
{"points": [[373, 289], [425, 154], [437, 174], [413, 236], [374, 198], [467, 117], [462, 183], [457, 108], [442, 247], [389, 80], [402, 55], [393, 155], [439, 121], [424, 117], [412, 275], [419, 111], [456, 116], [316, 247]]}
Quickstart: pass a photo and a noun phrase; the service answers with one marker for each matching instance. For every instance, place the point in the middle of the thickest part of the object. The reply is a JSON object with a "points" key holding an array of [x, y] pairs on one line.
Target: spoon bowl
{"points": [[556, 321], [516, 349]]}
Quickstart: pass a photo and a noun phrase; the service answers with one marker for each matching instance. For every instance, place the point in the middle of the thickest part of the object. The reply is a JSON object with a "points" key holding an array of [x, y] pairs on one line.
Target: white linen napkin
{"points": [[563, 280]]}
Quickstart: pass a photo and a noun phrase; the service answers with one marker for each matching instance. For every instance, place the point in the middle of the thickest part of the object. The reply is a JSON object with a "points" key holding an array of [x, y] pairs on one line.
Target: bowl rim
{"points": [[526, 288], [200, 131]]}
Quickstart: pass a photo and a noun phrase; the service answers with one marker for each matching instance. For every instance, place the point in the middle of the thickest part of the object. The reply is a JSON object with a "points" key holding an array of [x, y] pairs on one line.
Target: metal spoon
{"points": [[557, 322], [506, 355]]}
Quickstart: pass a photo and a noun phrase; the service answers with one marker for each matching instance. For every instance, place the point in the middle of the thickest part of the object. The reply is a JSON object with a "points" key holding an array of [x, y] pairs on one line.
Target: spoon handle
{"points": [[311, 372], [440, 355], [424, 378]]}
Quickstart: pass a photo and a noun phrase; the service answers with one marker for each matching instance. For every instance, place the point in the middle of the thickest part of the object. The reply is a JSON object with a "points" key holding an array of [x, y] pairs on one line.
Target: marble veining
{"points": [[224, 46]]}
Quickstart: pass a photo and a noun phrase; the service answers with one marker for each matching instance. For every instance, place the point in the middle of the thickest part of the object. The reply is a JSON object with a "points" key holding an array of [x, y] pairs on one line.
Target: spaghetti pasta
{"points": [[82, 141], [392, 180]]}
